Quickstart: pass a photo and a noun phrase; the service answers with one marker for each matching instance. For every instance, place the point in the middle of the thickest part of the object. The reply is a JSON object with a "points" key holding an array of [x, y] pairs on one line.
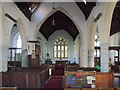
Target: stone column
{"points": [[0, 37], [24, 58], [3, 43], [104, 63], [91, 58]]}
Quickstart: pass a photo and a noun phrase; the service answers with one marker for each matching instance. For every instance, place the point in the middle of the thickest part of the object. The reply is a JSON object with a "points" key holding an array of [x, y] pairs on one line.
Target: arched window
{"points": [[96, 42], [60, 48], [97, 49], [19, 43]]}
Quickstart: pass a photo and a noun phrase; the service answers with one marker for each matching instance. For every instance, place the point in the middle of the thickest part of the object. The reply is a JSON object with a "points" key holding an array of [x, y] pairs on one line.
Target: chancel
{"points": [[60, 45]]}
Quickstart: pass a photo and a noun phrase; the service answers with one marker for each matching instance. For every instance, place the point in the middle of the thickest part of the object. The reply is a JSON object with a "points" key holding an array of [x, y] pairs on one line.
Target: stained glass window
{"points": [[60, 48]]}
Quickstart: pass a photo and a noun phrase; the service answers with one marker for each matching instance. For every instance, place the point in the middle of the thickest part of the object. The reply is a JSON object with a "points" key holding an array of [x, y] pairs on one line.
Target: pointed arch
{"points": [[22, 33], [51, 13]]}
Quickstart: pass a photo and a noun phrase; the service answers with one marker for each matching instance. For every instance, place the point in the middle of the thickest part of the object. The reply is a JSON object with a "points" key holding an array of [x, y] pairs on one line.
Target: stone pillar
{"points": [[3, 44], [104, 63], [24, 58], [0, 37], [91, 58]]}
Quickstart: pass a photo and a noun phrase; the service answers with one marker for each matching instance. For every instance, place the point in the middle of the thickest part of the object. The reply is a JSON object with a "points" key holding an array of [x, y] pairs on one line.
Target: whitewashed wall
{"points": [[43, 47], [114, 41], [55, 35], [28, 29], [77, 49]]}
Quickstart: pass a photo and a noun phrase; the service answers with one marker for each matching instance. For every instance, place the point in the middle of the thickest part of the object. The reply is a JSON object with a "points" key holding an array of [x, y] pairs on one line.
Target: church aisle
{"points": [[56, 80]]}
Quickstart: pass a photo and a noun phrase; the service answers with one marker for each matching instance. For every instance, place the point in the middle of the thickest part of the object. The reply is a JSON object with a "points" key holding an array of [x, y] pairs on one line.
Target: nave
{"points": [[60, 45], [59, 76]]}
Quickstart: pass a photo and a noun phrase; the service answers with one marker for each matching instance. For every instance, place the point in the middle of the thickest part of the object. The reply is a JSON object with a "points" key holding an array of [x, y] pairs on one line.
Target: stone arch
{"points": [[105, 21], [67, 14], [104, 26], [52, 12], [22, 33]]}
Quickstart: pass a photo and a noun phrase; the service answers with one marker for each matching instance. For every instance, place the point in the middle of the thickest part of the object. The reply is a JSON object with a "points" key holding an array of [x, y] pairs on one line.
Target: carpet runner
{"points": [[55, 82]]}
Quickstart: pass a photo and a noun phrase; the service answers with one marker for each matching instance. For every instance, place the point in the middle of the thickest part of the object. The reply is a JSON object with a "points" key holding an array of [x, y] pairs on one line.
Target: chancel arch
{"points": [[15, 47], [61, 25]]}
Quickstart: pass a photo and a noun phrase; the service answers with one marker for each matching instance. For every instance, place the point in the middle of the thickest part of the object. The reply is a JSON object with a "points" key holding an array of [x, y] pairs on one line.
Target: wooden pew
{"points": [[71, 88], [104, 79], [106, 88], [90, 89], [25, 77], [13, 64], [75, 79], [77, 67], [80, 79], [8, 88], [117, 88]]}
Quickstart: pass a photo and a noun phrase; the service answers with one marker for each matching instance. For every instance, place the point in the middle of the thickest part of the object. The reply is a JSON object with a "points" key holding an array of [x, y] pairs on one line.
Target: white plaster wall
{"points": [[70, 9], [11, 9], [4, 42], [77, 50], [22, 22], [43, 47], [14, 31], [76, 15], [70, 45], [1, 37], [114, 41]]}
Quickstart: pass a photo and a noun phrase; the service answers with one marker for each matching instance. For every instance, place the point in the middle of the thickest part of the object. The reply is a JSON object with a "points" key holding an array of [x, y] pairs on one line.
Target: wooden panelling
{"points": [[117, 88], [75, 79], [25, 78], [8, 88], [71, 88], [33, 62], [104, 80], [90, 89], [106, 88]]}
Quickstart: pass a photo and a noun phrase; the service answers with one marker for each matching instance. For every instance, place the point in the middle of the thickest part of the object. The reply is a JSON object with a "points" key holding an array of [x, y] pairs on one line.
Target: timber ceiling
{"points": [[115, 25], [28, 8], [86, 8], [64, 22]]}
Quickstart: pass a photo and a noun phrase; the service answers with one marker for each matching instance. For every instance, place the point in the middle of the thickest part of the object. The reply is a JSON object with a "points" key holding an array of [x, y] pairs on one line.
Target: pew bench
{"points": [[25, 78]]}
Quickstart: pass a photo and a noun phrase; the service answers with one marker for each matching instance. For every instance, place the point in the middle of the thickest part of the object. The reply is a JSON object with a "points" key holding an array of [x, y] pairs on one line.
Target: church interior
{"points": [[64, 45]]}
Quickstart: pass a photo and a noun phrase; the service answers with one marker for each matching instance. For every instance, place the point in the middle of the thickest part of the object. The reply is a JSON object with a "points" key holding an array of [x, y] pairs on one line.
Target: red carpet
{"points": [[55, 81]]}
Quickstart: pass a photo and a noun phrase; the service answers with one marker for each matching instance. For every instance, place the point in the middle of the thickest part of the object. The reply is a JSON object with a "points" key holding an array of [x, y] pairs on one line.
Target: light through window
{"points": [[60, 48], [19, 44]]}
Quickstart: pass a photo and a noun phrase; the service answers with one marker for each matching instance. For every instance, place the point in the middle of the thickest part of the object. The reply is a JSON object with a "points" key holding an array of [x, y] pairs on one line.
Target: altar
{"points": [[62, 62]]}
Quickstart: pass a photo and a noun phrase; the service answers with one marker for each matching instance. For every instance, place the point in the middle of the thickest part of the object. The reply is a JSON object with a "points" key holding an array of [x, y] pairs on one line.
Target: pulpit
{"points": [[33, 62]]}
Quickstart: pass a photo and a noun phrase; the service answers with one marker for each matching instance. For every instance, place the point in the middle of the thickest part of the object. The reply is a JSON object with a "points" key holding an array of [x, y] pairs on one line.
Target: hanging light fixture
{"points": [[53, 21]]}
